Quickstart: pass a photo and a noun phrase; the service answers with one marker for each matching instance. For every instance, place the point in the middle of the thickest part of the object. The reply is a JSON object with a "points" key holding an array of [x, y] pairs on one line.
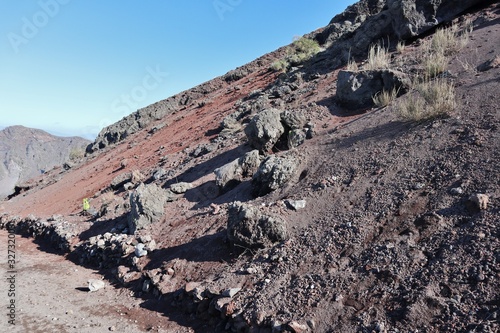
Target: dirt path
{"points": [[51, 295]]}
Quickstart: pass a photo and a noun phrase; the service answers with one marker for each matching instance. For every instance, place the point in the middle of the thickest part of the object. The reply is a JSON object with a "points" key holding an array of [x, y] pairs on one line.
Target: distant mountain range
{"points": [[26, 153]]}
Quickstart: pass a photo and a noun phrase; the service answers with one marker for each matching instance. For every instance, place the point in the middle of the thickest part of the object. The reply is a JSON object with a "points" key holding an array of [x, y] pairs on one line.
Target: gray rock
{"points": [[231, 174], [180, 188], [121, 180], [203, 150], [265, 129], [247, 226], [456, 191], [479, 200], [293, 119], [356, 89], [296, 137], [147, 204], [296, 204], [140, 251], [95, 285], [159, 174], [273, 173], [231, 292]]}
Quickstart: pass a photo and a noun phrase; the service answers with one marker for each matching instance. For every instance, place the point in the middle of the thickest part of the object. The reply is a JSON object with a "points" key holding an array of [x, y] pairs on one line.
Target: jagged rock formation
{"points": [[26, 153]]}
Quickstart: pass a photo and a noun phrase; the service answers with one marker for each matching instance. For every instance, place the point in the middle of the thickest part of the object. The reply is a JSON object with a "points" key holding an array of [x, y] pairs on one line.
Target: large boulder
{"points": [[248, 227], [274, 173], [147, 204], [355, 89], [231, 174], [265, 129]]}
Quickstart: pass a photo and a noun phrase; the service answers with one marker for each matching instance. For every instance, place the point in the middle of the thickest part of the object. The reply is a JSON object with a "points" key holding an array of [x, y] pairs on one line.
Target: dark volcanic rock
{"points": [[356, 89], [265, 129], [147, 204], [247, 226], [273, 173]]}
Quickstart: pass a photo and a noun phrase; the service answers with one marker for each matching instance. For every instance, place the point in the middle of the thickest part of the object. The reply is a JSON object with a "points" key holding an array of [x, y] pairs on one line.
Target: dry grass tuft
{"points": [[378, 58], [431, 99], [384, 97]]}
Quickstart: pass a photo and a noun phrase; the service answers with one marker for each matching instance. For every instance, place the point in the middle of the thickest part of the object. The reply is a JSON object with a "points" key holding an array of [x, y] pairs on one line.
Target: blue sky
{"points": [[72, 67]]}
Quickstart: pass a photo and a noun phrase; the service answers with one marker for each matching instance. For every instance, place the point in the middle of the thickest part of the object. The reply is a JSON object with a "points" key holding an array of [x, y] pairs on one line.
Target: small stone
{"points": [[101, 243], [95, 285], [456, 191], [170, 271], [251, 270], [479, 200], [140, 251], [112, 328], [181, 188], [418, 186], [230, 292], [191, 286], [297, 327], [296, 204]]}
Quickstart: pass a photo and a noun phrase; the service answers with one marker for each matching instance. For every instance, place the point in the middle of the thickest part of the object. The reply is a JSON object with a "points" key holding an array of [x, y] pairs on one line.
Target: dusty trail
{"points": [[51, 295]]}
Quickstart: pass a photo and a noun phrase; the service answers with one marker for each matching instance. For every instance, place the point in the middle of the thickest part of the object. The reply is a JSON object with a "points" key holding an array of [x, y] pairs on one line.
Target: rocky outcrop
{"points": [[274, 173], [367, 22], [147, 204], [231, 174], [356, 89], [247, 226]]}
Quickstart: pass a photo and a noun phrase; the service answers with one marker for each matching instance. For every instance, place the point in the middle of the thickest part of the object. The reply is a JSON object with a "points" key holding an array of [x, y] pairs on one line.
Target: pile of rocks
{"points": [[55, 230], [112, 250]]}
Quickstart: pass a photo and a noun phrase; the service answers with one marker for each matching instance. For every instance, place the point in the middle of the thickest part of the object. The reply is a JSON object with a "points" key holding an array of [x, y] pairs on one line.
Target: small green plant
{"points": [[76, 153], [431, 99], [385, 97], [306, 47], [302, 49], [378, 58], [280, 65]]}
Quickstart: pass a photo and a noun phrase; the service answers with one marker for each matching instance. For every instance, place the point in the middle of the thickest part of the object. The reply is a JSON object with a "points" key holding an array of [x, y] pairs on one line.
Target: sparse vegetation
{"points": [[76, 153], [434, 64], [400, 47], [430, 99], [280, 65], [384, 97], [378, 58], [301, 50], [444, 43]]}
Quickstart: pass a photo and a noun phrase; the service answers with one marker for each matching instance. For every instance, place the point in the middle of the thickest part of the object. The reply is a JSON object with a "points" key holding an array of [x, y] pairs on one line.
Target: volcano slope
{"points": [[400, 228]]}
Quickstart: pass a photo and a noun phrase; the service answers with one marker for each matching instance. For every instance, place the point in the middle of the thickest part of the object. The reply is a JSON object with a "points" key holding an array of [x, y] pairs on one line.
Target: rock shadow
{"points": [[101, 227], [208, 248], [209, 193], [204, 168]]}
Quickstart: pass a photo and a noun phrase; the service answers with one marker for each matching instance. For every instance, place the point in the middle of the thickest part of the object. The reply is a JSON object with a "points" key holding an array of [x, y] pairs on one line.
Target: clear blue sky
{"points": [[72, 67]]}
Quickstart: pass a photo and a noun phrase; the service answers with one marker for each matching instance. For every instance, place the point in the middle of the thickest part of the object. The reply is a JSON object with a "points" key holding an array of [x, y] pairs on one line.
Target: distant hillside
{"points": [[27, 152]]}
